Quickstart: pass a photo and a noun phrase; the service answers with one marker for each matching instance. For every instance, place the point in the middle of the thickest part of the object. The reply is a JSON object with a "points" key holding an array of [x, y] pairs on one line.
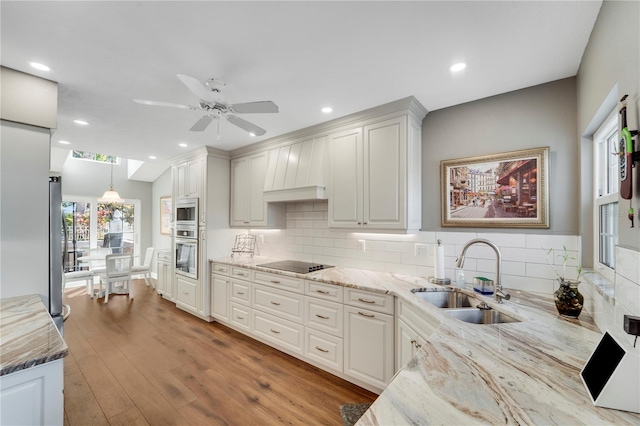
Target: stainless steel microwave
{"points": [[186, 213]]}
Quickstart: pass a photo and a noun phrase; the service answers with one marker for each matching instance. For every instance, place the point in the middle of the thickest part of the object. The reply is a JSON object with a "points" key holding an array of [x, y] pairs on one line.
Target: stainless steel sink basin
{"points": [[480, 316], [445, 298]]}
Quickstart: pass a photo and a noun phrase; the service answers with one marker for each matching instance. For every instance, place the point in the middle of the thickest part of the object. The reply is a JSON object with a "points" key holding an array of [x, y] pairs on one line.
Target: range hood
{"points": [[295, 172]]}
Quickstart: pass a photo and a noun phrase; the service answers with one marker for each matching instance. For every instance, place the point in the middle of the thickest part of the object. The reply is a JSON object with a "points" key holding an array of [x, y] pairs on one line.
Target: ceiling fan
{"points": [[212, 103]]}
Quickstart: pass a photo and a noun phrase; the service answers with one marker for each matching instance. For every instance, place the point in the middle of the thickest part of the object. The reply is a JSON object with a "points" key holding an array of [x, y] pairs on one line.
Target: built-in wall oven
{"points": [[187, 257]]}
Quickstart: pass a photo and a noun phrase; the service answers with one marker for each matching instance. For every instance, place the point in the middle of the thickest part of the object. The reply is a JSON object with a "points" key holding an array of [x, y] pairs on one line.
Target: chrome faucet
{"points": [[498, 294]]}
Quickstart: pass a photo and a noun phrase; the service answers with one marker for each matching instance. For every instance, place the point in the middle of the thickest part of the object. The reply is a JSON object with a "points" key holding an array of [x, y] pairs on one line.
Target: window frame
{"points": [[607, 129]]}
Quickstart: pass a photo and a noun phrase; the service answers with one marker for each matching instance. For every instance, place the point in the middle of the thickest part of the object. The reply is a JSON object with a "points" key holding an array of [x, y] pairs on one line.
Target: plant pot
{"points": [[568, 299]]}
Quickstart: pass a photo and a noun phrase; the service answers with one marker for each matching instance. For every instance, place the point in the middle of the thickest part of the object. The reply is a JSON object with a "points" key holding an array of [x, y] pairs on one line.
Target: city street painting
{"points": [[505, 190]]}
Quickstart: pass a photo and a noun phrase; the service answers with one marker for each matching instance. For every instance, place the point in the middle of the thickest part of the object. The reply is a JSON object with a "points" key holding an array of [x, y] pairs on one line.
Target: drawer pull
{"points": [[239, 317], [274, 331], [275, 282], [321, 350], [275, 303], [322, 292], [366, 315], [240, 293], [366, 300], [242, 274], [322, 316], [185, 292]]}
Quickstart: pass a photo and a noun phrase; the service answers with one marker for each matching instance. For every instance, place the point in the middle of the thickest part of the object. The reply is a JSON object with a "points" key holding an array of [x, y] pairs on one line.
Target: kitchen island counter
{"points": [[28, 336]]}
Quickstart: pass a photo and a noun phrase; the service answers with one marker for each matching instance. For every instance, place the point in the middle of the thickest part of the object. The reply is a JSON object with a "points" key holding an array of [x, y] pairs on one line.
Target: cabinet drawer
{"points": [[368, 300], [242, 273], [281, 332], [187, 293], [241, 316], [241, 292], [324, 316], [331, 292], [279, 281], [220, 268], [284, 304], [324, 349]]}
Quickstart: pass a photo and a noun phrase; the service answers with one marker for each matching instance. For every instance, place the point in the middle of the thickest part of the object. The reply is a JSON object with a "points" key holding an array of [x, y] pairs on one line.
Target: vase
{"points": [[568, 298]]}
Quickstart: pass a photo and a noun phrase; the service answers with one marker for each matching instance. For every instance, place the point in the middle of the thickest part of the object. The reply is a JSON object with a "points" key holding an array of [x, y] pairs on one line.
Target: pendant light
{"points": [[111, 196]]}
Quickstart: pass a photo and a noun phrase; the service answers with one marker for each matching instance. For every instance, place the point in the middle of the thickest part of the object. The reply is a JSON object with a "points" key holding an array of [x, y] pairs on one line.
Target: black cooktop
{"points": [[295, 266]]}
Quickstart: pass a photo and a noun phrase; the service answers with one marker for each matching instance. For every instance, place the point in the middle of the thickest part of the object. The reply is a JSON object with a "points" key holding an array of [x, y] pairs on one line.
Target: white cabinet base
{"points": [[33, 396]]}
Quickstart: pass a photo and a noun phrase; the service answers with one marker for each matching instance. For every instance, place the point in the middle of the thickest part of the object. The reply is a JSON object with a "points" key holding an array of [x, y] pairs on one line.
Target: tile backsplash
{"points": [[525, 262]]}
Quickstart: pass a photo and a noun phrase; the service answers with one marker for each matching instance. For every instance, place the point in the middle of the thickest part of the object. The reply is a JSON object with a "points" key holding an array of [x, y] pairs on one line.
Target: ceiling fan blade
{"points": [[201, 124], [245, 125], [196, 87], [163, 104], [255, 107]]}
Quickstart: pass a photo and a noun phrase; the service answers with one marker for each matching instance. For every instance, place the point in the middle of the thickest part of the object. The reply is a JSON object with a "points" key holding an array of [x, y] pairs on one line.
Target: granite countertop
{"points": [[28, 336], [514, 373]]}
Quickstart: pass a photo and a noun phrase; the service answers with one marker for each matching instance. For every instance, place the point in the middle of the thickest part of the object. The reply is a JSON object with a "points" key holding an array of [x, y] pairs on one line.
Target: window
{"points": [[606, 195], [90, 156]]}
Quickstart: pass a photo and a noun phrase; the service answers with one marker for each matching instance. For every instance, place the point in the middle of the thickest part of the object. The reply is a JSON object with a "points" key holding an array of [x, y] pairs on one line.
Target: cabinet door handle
{"points": [[275, 303], [322, 316], [239, 317], [322, 292], [245, 221], [359, 223], [366, 300], [366, 315], [240, 292], [275, 282], [274, 331], [413, 341], [321, 350]]}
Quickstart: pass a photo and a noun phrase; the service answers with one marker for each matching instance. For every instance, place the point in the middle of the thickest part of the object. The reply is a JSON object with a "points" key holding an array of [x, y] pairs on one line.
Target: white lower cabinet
{"points": [[186, 293], [165, 274], [33, 396], [368, 353], [324, 349], [241, 317], [409, 342], [220, 291], [279, 331]]}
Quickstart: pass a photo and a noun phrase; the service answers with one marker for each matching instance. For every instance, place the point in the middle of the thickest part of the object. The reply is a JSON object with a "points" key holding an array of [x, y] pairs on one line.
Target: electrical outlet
{"points": [[363, 245], [421, 249]]}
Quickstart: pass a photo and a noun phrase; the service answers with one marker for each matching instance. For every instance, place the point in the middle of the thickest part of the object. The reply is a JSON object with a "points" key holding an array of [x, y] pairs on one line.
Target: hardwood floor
{"points": [[145, 362]]}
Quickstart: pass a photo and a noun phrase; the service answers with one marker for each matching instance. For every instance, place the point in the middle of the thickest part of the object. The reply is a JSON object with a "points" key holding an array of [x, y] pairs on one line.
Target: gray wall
{"points": [[538, 116], [610, 68], [91, 179]]}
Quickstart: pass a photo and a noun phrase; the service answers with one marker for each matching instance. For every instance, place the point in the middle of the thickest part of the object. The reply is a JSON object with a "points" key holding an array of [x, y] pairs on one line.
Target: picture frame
{"points": [[166, 210], [503, 190]]}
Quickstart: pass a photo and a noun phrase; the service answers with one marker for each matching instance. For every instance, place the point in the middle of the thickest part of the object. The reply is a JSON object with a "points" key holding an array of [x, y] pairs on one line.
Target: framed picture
{"points": [[506, 190], [165, 215]]}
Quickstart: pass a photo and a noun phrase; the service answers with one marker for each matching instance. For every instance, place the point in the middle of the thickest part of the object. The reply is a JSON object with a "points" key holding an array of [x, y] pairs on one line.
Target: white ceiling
{"points": [[301, 55]]}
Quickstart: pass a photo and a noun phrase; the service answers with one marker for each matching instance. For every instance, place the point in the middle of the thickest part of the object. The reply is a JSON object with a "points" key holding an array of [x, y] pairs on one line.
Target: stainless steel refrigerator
{"points": [[57, 251]]}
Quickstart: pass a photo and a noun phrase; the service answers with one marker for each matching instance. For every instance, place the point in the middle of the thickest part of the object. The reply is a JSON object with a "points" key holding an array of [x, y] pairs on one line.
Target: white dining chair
{"points": [[117, 270], [145, 268], [87, 276]]}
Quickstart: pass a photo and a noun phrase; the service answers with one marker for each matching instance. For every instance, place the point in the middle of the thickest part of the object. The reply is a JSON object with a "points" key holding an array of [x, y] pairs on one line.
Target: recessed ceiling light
{"points": [[152, 157], [458, 67], [65, 142], [38, 66], [81, 122], [252, 134], [327, 110], [184, 145]]}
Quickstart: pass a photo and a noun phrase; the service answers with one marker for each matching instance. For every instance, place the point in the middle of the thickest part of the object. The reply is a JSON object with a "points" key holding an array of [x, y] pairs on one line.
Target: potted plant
{"points": [[567, 297]]}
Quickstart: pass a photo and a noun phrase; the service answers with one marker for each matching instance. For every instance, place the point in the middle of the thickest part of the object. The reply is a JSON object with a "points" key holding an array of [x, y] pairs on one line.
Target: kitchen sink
{"points": [[445, 297], [480, 316]]}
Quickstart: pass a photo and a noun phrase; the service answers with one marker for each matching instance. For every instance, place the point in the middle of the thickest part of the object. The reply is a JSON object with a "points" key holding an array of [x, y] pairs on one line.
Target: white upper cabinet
{"points": [[375, 176], [188, 178], [248, 208]]}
